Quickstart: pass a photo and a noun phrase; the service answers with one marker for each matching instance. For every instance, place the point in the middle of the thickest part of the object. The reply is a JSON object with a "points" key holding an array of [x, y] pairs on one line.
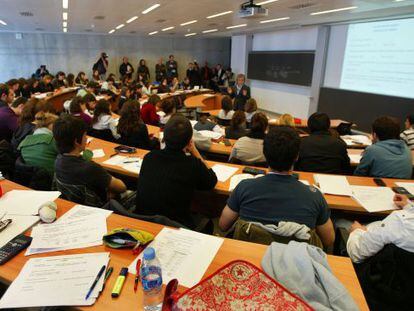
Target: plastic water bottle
{"points": [[151, 278]]}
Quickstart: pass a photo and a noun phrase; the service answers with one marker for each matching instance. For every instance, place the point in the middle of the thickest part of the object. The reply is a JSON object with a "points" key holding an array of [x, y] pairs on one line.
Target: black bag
{"points": [[7, 159]]}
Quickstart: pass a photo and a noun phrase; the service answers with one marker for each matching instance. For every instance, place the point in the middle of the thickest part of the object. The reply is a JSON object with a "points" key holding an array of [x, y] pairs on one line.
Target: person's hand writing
{"points": [[400, 200]]}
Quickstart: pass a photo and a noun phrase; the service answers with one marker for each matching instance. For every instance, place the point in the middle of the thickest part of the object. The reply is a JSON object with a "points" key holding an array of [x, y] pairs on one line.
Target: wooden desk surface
{"points": [[342, 203], [360, 151], [58, 99], [230, 250]]}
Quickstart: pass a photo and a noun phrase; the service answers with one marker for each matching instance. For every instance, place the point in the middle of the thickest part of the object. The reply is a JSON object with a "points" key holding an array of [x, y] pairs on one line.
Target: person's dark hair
{"points": [[226, 104], [12, 82], [60, 74], [130, 117], [19, 101], [110, 79], [75, 106], [102, 108], [89, 98], [410, 119], [142, 62], [239, 117], [154, 99], [167, 106], [22, 82], [258, 125], [319, 121], [30, 109], [92, 85], [4, 89], [251, 105], [70, 79], [32, 82], [67, 130], [177, 132], [80, 74], [281, 148], [386, 128]]}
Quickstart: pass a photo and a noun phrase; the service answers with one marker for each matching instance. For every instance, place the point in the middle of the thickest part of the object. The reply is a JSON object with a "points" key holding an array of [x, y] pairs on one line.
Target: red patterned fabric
{"points": [[239, 286]]}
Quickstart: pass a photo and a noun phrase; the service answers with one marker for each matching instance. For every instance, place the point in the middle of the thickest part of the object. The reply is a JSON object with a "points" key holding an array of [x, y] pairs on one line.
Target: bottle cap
{"points": [[149, 253]]}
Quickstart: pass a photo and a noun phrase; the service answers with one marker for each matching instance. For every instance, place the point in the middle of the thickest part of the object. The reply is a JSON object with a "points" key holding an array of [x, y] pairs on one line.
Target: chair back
{"points": [[223, 122], [102, 134], [33, 177], [78, 193], [246, 231]]}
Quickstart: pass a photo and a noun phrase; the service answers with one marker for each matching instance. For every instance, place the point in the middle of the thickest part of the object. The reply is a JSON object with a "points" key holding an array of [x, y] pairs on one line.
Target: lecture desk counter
{"points": [[230, 250], [58, 98], [335, 202]]}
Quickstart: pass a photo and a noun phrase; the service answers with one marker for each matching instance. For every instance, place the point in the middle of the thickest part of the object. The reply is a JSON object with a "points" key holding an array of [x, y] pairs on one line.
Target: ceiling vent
{"points": [[212, 24], [132, 32], [303, 5], [160, 20], [99, 17], [26, 14], [39, 29], [88, 30]]}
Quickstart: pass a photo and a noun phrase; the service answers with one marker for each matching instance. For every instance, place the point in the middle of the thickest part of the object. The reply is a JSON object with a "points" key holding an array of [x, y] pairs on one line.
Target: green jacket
{"points": [[39, 151]]}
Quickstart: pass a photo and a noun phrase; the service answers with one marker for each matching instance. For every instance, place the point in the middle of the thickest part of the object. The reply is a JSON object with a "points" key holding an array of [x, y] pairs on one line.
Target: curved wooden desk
{"points": [[204, 102], [58, 99], [230, 250]]}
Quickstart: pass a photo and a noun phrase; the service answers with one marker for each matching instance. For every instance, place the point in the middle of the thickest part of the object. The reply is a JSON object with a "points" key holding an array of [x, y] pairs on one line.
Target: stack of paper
{"points": [[132, 164], [211, 134], [351, 140], [56, 281], [236, 179], [25, 202], [184, 255], [80, 211], [69, 233], [333, 184], [224, 172], [374, 199]]}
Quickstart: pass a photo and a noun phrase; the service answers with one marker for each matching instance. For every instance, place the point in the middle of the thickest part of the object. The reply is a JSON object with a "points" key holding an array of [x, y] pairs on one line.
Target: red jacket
{"points": [[149, 114]]}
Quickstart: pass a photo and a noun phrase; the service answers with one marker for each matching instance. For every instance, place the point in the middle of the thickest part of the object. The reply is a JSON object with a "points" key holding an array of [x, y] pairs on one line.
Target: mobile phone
{"points": [[379, 182], [402, 190], [253, 171]]}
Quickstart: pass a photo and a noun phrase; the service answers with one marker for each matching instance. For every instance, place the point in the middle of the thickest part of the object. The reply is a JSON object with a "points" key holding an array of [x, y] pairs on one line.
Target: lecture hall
{"points": [[166, 155]]}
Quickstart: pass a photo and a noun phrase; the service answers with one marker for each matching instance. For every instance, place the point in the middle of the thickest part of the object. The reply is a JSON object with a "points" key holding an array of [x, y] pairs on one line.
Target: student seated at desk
{"points": [[249, 149], [6, 95], [164, 87], [279, 196], [33, 86], [408, 134], [59, 80], [226, 112], [132, 129], [9, 119], [81, 78], [125, 96], [91, 88], [388, 156], [70, 80], [204, 124], [320, 151], [70, 168], [77, 108], [237, 128], [90, 104], [169, 177], [39, 149], [250, 108], [45, 84], [102, 118], [167, 109], [149, 110]]}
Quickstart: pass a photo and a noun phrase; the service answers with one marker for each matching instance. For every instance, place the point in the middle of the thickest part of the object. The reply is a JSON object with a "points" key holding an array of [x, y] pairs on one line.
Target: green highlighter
{"points": [[116, 291]]}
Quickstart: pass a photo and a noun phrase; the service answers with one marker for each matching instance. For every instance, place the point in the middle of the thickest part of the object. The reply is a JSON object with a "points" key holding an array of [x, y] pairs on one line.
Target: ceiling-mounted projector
{"points": [[251, 10]]}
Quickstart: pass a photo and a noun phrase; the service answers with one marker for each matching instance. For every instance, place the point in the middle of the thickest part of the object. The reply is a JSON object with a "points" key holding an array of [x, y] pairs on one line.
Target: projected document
{"points": [[379, 58]]}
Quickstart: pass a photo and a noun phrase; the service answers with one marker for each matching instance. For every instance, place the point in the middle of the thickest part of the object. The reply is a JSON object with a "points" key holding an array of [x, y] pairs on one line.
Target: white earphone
{"points": [[47, 212]]}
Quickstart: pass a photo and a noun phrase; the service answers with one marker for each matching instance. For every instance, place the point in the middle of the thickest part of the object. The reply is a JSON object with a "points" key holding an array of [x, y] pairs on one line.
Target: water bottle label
{"points": [[151, 278]]}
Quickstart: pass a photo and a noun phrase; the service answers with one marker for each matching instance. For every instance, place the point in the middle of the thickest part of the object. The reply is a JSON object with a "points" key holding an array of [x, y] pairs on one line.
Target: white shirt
{"points": [[222, 115], [397, 228], [106, 122], [248, 150], [249, 116]]}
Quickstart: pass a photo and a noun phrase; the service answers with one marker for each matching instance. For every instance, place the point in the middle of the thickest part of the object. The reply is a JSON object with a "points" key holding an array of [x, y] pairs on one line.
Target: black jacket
{"points": [[240, 99], [160, 72], [322, 153], [123, 69], [139, 138]]}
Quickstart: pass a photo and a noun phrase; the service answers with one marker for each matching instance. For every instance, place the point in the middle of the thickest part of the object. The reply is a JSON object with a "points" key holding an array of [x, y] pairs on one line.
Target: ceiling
{"points": [[101, 16]]}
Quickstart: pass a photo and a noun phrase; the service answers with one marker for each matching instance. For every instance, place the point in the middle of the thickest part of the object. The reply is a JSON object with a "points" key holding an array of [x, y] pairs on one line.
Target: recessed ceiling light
{"points": [[153, 7], [274, 20], [3, 22], [334, 10], [131, 19], [210, 30], [65, 4], [191, 34], [236, 26], [65, 16], [120, 26], [111, 31], [220, 14], [398, 0], [65, 30], [266, 2], [188, 23], [168, 28], [153, 33], [65, 24]]}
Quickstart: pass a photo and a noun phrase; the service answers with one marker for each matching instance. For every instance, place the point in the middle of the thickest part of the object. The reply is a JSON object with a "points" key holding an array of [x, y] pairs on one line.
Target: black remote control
{"points": [[13, 247]]}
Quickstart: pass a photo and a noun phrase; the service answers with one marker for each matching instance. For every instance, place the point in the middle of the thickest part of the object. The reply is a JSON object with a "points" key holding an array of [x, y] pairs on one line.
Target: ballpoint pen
{"points": [[137, 268], [107, 275], [95, 282]]}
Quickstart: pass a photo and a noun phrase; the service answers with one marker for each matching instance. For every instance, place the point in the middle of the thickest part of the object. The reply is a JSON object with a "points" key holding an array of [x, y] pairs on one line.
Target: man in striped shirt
{"points": [[408, 134]]}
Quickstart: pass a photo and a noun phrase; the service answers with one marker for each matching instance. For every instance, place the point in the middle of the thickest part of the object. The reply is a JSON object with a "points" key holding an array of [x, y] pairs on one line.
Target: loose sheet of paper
{"points": [[374, 199], [355, 158], [80, 211], [211, 134], [56, 281], [407, 185], [71, 234], [305, 182], [224, 172], [25, 202], [183, 254], [98, 153], [132, 164], [333, 184]]}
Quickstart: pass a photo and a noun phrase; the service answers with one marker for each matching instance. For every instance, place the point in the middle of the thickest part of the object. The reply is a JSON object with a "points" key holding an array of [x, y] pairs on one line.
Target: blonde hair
{"points": [[287, 120], [44, 119]]}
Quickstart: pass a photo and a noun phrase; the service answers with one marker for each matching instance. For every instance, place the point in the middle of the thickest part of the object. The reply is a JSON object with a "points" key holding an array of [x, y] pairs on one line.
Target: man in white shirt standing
{"points": [[397, 228]]}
